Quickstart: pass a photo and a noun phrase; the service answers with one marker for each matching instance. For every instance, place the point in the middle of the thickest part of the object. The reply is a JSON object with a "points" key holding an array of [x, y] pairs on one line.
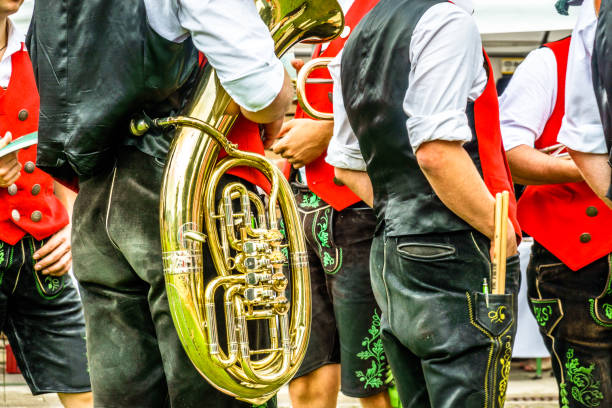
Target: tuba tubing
{"points": [[244, 236]]}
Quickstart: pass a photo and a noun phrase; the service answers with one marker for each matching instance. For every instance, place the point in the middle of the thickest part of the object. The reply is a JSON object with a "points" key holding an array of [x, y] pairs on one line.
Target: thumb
{"points": [[6, 139]]}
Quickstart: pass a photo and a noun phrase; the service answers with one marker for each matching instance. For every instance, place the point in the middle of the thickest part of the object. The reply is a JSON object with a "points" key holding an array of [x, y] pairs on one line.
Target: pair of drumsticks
{"points": [[498, 263]]}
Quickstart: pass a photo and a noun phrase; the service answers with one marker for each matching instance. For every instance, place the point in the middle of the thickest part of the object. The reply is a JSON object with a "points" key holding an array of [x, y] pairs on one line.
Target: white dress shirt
{"points": [[15, 38], [233, 37], [581, 129], [446, 71], [529, 100]]}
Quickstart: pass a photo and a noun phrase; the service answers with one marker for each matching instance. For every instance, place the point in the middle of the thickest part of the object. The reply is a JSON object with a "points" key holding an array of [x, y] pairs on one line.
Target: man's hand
{"points": [[303, 140], [511, 246], [10, 168], [55, 257]]}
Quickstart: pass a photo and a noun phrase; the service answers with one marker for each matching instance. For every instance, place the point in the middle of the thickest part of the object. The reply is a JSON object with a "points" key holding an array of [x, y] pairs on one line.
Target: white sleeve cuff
{"points": [[344, 157], [267, 80], [585, 138], [448, 126]]}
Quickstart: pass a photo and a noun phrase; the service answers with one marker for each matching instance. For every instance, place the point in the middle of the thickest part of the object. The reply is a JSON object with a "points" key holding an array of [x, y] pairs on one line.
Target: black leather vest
{"points": [[602, 73], [97, 63], [376, 64]]}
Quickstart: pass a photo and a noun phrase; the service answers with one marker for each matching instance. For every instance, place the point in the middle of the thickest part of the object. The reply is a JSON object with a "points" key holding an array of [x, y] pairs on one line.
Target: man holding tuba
{"points": [[99, 63], [420, 96]]}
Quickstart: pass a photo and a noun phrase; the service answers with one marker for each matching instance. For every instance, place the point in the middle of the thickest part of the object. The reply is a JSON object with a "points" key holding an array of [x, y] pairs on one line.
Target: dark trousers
{"points": [[449, 345], [136, 358], [345, 316], [574, 312]]}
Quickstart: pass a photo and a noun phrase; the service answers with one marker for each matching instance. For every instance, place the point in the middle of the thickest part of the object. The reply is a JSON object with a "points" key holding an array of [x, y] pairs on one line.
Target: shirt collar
{"points": [[467, 5], [15, 39]]}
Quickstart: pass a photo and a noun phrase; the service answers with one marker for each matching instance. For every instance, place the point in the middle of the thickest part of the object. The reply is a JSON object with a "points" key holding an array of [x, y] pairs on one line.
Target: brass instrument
{"points": [[300, 87], [245, 236]]}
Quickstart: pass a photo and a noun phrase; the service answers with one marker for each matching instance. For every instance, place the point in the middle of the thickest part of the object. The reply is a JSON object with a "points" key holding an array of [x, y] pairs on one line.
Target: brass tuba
{"points": [[257, 246]]}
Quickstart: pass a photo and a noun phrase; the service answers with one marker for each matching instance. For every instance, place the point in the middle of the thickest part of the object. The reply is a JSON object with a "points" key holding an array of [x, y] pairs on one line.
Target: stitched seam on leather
{"points": [[22, 263], [384, 269], [110, 198], [486, 333]]}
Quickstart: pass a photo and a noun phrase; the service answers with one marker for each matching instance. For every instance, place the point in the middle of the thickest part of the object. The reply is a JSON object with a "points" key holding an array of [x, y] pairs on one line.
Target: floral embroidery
{"points": [[497, 316], [328, 260], [607, 308], [284, 250], [374, 351], [52, 283], [542, 314], [323, 233], [1, 252], [586, 389], [310, 200], [563, 396], [505, 371]]}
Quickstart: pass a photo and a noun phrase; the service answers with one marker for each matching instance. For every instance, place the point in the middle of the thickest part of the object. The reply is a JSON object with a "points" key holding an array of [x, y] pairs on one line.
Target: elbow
{"points": [[431, 156]]}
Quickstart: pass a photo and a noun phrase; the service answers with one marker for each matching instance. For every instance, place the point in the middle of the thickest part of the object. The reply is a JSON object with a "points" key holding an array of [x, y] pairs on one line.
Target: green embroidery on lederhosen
{"points": [[310, 200], [607, 308], [585, 389], [2, 257], [373, 351], [51, 286], [542, 314], [330, 255], [283, 230]]}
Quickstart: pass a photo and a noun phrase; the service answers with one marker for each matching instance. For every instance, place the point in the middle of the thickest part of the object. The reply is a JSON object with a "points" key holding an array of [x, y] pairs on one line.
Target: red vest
{"points": [[319, 174], [567, 219], [495, 169], [19, 105]]}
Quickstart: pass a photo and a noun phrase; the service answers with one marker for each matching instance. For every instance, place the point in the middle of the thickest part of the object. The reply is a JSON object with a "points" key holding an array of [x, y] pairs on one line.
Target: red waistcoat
{"points": [[319, 174], [34, 209], [567, 219], [493, 162]]}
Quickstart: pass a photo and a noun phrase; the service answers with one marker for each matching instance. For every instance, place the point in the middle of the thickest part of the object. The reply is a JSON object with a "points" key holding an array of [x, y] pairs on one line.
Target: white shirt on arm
{"points": [[529, 100], [445, 46], [581, 129], [234, 39]]}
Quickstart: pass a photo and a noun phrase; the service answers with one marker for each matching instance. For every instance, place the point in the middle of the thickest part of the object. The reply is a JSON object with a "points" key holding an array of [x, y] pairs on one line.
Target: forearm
{"points": [[358, 182], [66, 197], [530, 166], [456, 181], [596, 172]]}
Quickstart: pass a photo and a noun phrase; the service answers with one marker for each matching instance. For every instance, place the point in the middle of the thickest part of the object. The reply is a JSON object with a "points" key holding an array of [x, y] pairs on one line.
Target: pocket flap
{"points": [[547, 312], [495, 313]]}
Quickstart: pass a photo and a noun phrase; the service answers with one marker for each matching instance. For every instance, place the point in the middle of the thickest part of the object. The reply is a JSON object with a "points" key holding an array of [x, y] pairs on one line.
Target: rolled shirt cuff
{"points": [[585, 138], [447, 126], [258, 89], [345, 158]]}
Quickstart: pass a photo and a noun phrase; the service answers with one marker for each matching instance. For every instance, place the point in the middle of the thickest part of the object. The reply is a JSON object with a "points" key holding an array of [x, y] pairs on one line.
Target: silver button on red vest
{"points": [[35, 189], [12, 189], [36, 216], [29, 167], [22, 115], [15, 215]]}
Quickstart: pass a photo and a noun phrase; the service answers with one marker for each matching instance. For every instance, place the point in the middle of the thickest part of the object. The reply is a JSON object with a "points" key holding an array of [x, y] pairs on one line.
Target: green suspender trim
{"points": [[585, 390], [373, 350]]}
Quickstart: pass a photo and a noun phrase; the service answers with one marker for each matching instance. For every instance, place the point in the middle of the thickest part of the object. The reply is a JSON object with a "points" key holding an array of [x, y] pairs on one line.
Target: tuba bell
{"points": [[256, 245]]}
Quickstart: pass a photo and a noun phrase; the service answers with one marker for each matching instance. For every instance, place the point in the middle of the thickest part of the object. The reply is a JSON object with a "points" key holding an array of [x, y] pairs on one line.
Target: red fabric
{"points": [[22, 94], [555, 215], [319, 174], [496, 173]]}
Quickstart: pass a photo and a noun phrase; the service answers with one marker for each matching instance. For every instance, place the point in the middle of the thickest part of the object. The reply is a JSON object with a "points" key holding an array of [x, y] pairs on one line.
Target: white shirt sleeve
{"points": [[234, 39], [446, 70], [343, 150], [529, 100], [581, 129]]}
